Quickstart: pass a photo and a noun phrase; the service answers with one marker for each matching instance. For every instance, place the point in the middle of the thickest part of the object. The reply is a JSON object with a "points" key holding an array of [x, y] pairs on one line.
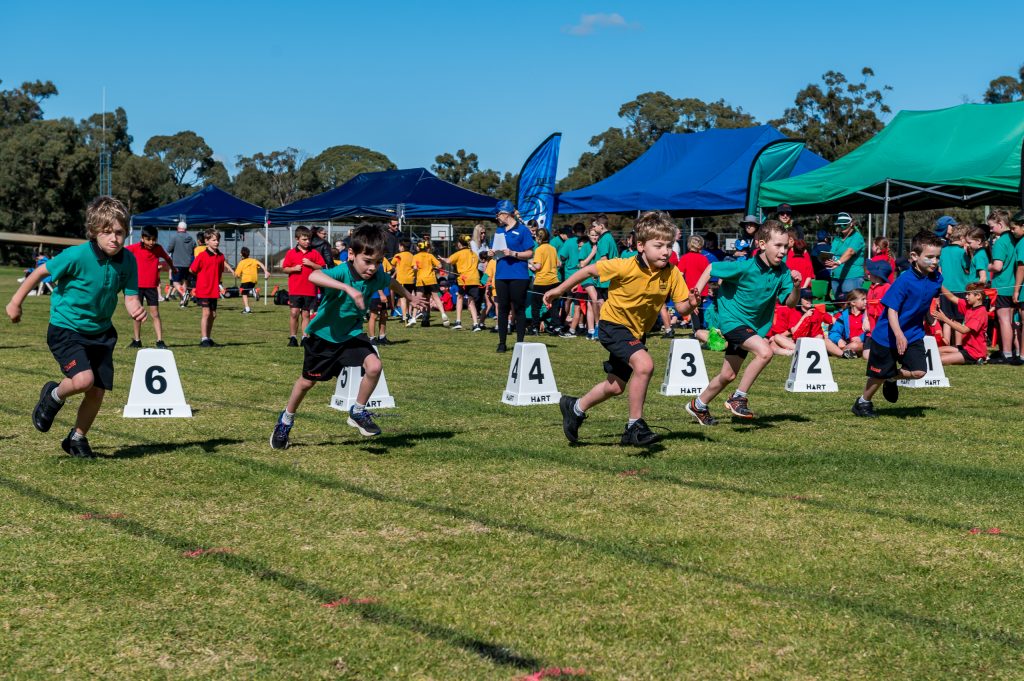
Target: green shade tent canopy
{"points": [[968, 155]]}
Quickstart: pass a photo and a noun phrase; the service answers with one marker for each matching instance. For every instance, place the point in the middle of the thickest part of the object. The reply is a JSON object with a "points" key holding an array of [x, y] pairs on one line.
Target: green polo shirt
{"points": [[569, 254], [953, 264], [854, 267], [338, 319], [979, 263], [1005, 250], [86, 284], [606, 248], [748, 291]]}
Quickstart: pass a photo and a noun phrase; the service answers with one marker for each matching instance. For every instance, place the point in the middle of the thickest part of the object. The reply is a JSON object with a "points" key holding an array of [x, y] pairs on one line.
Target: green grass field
{"points": [[470, 541]]}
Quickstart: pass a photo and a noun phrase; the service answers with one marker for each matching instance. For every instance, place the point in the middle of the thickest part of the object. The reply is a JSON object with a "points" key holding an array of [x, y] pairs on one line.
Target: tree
{"points": [[141, 182], [22, 105], [273, 178], [186, 155], [456, 169], [337, 165], [837, 118], [217, 174], [117, 139], [1006, 89]]}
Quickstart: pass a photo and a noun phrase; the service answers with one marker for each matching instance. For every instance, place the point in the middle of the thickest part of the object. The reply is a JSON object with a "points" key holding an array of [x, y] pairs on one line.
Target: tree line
{"points": [[50, 168]]}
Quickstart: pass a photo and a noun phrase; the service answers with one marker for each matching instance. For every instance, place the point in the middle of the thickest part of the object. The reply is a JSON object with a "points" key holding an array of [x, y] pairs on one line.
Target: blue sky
{"points": [[415, 79]]}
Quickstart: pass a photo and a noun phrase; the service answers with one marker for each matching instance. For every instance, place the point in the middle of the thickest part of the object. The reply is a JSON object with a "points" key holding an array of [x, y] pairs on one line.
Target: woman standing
{"points": [[513, 248]]}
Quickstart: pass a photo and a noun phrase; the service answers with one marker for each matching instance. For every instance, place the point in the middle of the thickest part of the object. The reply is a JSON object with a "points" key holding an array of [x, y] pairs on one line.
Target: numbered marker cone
{"points": [[810, 372], [156, 388], [935, 375], [346, 390], [685, 373], [530, 377]]}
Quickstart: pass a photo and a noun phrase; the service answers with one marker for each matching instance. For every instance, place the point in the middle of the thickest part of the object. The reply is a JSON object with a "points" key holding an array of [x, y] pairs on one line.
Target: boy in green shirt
{"points": [[87, 279], [746, 299], [336, 339]]}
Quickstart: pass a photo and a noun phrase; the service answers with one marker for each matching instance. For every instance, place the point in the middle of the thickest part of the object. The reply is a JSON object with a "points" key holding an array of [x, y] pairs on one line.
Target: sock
{"points": [[380, 337], [287, 418], [205, 338], [739, 393], [861, 400], [359, 407], [576, 409], [75, 435], [700, 405], [56, 397], [630, 422], [1007, 355]]}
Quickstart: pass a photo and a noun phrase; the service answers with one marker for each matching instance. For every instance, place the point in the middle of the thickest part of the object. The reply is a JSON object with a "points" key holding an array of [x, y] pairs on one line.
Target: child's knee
{"points": [[642, 364], [764, 352], [917, 374], [372, 366], [82, 381]]}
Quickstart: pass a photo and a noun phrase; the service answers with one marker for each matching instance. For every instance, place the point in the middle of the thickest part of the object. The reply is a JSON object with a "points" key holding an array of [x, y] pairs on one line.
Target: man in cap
{"points": [[943, 224], [785, 215], [181, 248], [846, 267]]}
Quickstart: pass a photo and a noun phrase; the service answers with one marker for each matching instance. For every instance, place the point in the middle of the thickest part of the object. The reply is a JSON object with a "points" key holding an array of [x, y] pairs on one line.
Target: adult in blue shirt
{"points": [[511, 273]]}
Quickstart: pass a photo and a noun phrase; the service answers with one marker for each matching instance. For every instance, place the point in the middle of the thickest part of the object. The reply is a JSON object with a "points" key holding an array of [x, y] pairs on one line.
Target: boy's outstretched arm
{"points": [[956, 326], [30, 283], [570, 283], [135, 309], [703, 280], [318, 278], [401, 291]]}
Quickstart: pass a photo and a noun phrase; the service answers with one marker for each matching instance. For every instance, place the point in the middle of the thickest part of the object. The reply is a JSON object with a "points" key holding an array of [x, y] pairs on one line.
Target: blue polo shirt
{"points": [[516, 239], [911, 296]]}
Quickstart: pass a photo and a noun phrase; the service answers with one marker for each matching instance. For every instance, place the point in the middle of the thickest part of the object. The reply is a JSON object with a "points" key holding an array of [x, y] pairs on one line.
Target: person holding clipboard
{"points": [[513, 248]]}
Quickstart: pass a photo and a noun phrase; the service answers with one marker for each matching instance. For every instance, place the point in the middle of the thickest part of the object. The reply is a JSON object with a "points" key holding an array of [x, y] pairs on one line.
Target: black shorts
{"points": [[470, 290], [735, 338], [207, 302], [621, 344], [306, 303], [967, 357], [380, 304], [149, 296], [427, 290], [950, 309], [180, 274], [882, 361], [77, 352], [246, 287], [1006, 302], [602, 293], [324, 360]]}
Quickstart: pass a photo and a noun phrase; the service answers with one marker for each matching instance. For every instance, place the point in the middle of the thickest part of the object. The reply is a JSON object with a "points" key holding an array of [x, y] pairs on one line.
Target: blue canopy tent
{"points": [[691, 174], [401, 194]]}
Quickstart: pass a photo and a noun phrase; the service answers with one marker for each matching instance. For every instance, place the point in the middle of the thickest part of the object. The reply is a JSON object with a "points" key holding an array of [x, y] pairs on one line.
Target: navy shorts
{"points": [[324, 360], [621, 344], [307, 303], [77, 352], [208, 302], [149, 296], [882, 361], [735, 338]]}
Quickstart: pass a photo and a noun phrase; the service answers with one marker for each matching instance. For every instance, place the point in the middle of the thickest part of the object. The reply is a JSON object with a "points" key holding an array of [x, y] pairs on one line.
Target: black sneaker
{"points": [[571, 421], [160, 345], [703, 416], [373, 342], [1015, 361], [863, 409], [671, 333], [891, 391], [78, 448], [136, 343], [293, 342], [739, 407], [46, 408], [206, 343], [279, 438], [363, 422], [501, 348], [639, 435], [384, 341]]}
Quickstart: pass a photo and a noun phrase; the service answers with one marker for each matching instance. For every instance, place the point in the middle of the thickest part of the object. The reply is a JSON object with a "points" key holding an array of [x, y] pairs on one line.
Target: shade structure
{"points": [[410, 193], [208, 206], [966, 155], [701, 173]]}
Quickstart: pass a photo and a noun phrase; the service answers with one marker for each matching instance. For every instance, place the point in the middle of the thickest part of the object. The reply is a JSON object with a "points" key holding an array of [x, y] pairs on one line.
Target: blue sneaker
{"points": [[363, 422], [279, 438]]}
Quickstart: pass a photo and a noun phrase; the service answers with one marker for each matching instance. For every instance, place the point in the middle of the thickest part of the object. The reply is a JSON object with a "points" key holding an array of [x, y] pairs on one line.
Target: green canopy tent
{"points": [[968, 155]]}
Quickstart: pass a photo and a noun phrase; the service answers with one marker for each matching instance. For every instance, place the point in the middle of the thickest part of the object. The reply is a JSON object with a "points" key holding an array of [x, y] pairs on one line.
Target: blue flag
{"points": [[535, 191]]}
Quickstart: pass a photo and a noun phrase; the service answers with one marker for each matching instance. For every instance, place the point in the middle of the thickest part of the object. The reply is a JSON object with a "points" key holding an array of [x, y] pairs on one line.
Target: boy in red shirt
{"points": [[974, 346], [208, 267], [299, 263], [878, 272], [779, 335], [147, 257], [807, 325]]}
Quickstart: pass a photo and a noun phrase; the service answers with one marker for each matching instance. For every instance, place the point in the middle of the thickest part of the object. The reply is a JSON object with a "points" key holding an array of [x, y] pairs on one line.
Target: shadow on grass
{"points": [[633, 553], [139, 451], [376, 613], [915, 412], [15, 347], [769, 421]]}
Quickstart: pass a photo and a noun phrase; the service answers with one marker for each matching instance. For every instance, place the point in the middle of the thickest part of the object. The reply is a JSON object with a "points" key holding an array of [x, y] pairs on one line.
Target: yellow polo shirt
{"points": [[636, 292], [425, 263], [465, 262], [248, 270], [546, 256], [492, 264], [403, 268]]}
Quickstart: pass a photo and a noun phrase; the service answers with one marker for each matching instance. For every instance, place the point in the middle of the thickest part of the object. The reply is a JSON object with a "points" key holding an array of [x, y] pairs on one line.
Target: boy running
{"points": [[638, 287], [746, 299], [147, 257], [248, 273], [467, 266], [336, 339], [208, 267], [87, 279]]}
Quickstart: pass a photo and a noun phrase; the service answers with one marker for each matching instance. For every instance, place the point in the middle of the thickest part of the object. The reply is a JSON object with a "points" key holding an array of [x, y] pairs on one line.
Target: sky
{"points": [[417, 79]]}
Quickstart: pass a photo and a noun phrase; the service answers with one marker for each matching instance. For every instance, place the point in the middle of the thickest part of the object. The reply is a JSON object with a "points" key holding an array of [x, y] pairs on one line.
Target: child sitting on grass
{"points": [[973, 349], [846, 337]]}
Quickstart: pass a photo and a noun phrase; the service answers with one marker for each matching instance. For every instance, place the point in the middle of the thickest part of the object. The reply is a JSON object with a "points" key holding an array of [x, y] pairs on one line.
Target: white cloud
{"points": [[589, 23]]}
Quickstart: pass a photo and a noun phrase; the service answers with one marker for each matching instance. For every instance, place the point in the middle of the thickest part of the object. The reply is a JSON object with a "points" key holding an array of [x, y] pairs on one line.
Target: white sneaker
{"points": [[457, 326], [444, 321]]}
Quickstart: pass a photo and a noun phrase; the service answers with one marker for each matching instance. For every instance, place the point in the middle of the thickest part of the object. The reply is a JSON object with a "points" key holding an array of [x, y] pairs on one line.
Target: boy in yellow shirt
{"points": [[637, 289], [426, 266], [404, 274], [466, 264], [248, 273], [544, 266]]}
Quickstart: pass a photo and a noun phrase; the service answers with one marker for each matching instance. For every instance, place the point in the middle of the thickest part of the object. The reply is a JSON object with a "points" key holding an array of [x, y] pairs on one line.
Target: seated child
{"points": [[846, 337], [974, 347]]}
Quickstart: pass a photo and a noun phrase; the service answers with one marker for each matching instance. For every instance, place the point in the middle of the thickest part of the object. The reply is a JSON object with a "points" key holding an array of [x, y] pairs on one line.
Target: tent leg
{"points": [[691, 226], [902, 232], [870, 238], [885, 212]]}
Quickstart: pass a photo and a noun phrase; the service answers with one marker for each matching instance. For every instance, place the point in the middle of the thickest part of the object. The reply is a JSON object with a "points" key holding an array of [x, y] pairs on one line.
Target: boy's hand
{"points": [[138, 313], [309, 263], [357, 298], [901, 343], [14, 311], [795, 276], [549, 297]]}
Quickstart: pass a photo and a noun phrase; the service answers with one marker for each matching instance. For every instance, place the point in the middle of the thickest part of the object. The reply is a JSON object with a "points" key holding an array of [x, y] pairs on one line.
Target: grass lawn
{"points": [[470, 541]]}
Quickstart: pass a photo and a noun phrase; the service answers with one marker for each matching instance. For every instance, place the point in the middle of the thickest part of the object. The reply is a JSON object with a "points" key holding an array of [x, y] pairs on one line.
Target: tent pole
{"points": [[266, 257], [691, 226], [885, 212], [870, 239], [902, 232]]}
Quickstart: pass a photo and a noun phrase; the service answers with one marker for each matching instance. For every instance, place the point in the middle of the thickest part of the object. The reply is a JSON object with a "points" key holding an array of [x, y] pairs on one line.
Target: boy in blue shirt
{"points": [[898, 337], [336, 339], [88, 278]]}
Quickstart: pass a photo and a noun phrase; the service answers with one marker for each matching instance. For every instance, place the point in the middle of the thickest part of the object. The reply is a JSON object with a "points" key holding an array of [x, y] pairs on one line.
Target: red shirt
{"points": [[811, 326], [856, 324], [875, 306], [801, 264], [208, 267], [148, 261], [975, 319], [785, 318], [692, 265], [298, 282]]}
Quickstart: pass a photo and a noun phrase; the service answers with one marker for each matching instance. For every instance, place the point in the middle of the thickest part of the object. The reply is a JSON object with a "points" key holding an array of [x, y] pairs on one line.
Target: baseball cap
{"points": [[879, 268], [943, 224], [822, 234], [741, 244], [843, 220], [504, 206], [784, 208], [750, 219]]}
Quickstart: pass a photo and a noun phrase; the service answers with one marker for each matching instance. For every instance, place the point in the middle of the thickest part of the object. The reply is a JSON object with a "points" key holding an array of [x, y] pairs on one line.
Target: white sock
{"points": [[359, 407], [630, 422], [75, 435], [287, 418], [576, 408], [700, 405], [739, 393], [56, 397]]}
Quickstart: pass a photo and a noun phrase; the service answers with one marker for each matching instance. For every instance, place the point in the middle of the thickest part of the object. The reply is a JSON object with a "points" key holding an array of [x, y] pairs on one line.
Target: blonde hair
{"points": [[479, 234], [856, 294], [999, 215], [654, 225], [103, 213], [695, 243], [769, 228]]}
